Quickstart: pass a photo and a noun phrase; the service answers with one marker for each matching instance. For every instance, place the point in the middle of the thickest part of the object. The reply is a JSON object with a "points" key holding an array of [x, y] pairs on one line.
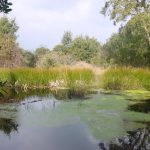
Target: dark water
{"points": [[58, 121], [143, 106]]}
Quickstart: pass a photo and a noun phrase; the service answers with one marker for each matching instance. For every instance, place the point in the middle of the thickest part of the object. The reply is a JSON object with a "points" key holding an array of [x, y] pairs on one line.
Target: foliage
{"points": [[79, 79], [5, 6], [2, 85], [57, 59], [85, 48], [12, 80], [8, 27], [40, 52], [81, 48], [121, 10], [10, 53], [130, 46], [44, 77], [28, 59], [59, 48], [67, 39], [126, 79]]}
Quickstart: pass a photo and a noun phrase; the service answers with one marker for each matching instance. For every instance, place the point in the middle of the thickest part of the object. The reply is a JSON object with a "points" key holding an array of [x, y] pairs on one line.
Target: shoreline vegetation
{"points": [[79, 80]]}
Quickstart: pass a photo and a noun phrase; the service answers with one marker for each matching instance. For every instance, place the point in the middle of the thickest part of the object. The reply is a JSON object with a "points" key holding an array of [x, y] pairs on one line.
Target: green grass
{"points": [[126, 79], [78, 79], [73, 78]]}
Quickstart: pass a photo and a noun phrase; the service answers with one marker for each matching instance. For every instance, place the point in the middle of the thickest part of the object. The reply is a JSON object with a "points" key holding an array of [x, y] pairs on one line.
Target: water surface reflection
{"points": [[49, 122]]}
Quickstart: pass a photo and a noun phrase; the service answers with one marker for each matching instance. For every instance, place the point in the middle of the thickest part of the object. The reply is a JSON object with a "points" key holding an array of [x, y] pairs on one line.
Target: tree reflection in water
{"points": [[8, 126]]}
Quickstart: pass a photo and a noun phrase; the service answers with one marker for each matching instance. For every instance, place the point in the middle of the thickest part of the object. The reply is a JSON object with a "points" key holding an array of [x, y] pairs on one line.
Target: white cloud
{"points": [[44, 21]]}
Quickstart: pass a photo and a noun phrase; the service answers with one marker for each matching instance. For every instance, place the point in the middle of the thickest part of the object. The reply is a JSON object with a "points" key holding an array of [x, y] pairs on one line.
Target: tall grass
{"points": [[126, 79], [69, 77], [78, 79]]}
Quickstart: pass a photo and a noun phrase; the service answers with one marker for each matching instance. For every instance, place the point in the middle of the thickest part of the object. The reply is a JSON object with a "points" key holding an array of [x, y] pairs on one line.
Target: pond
{"points": [[57, 121]]}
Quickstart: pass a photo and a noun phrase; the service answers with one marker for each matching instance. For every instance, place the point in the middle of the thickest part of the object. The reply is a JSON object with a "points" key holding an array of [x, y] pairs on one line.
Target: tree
{"points": [[130, 46], [123, 10], [66, 43], [55, 58], [8, 27], [28, 59], [84, 48], [40, 52], [10, 53], [59, 48], [67, 39], [5, 6], [81, 48]]}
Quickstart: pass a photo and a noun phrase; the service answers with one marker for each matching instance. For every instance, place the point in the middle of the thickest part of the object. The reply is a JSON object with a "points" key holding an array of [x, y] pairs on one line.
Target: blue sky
{"points": [[43, 22]]}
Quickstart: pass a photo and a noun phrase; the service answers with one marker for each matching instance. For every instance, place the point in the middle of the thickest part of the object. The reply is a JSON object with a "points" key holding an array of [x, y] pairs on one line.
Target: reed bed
{"points": [[126, 79], [78, 79], [66, 77]]}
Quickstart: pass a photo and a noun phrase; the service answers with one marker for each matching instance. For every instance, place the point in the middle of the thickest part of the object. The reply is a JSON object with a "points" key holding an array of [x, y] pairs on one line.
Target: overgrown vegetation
{"points": [[2, 91], [75, 79], [126, 79], [10, 53], [129, 47]]}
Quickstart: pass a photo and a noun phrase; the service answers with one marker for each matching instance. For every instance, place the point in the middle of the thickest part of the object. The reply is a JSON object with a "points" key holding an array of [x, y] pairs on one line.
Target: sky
{"points": [[43, 22]]}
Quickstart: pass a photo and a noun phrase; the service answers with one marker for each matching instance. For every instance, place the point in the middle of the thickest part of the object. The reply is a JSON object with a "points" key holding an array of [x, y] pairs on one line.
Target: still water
{"points": [[58, 122]]}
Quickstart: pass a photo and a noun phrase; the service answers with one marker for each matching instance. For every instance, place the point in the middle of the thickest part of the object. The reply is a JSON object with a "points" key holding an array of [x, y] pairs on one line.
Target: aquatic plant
{"points": [[2, 85], [126, 79], [77, 79]]}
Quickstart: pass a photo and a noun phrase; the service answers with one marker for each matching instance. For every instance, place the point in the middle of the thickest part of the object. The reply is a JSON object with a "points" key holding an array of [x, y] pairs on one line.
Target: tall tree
{"points": [[84, 48], [8, 27], [67, 39], [10, 53], [129, 47], [123, 10]]}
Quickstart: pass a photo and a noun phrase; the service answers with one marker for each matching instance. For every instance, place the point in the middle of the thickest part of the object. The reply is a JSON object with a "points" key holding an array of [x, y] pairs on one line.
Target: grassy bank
{"points": [[126, 79], [78, 79], [66, 77]]}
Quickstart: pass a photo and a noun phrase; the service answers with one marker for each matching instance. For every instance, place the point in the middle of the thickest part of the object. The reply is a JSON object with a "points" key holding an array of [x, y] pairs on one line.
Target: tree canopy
{"points": [[10, 53], [28, 58], [67, 38], [131, 46], [8, 27], [121, 10]]}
